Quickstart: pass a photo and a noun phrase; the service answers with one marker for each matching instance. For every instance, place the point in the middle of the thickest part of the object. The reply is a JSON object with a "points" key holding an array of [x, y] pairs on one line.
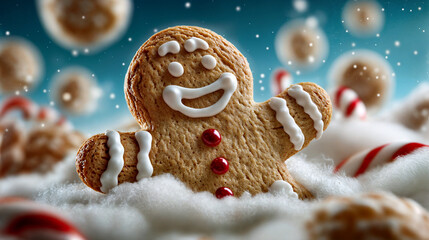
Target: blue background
{"points": [[403, 23]]}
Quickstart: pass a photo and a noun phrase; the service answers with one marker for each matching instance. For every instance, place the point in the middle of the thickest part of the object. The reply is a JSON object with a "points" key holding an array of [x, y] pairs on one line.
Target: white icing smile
{"points": [[174, 94]]}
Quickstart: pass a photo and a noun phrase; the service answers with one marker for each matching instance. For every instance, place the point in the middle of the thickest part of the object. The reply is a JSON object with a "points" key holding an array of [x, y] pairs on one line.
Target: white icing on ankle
{"points": [[194, 43], [175, 69], [173, 96], [144, 165], [281, 186], [289, 125], [169, 47], [109, 178], [209, 62], [304, 100]]}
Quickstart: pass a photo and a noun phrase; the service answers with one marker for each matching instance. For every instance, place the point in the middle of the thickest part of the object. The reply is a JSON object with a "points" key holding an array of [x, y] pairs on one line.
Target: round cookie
{"points": [[369, 216], [75, 90], [85, 24], [301, 45], [416, 115], [47, 146], [20, 65], [12, 141], [366, 73], [36, 144], [363, 18], [174, 110]]}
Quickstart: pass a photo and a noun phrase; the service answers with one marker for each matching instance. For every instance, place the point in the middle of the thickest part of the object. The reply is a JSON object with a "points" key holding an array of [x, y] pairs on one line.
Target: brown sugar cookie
{"points": [[47, 146], [301, 43], [358, 75], [191, 92], [366, 73], [370, 216], [37, 151], [416, 115], [45, 139], [12, 141], [75, 91], [20, 65], [85, 25]]}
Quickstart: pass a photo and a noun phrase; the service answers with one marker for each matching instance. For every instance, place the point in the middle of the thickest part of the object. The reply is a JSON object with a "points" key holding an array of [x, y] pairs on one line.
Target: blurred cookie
{"points": [[369, 216], [75, 91], [20, 65], [85, 23], [366, 73]]}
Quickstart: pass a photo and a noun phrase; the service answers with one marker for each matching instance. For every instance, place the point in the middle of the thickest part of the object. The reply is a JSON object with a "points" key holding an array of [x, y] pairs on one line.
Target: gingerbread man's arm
{"points": [[96, 157], [295, 117]]}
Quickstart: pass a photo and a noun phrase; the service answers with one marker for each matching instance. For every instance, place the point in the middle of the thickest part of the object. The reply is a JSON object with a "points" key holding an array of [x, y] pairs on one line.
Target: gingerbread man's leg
{"points": [[106, 160]]}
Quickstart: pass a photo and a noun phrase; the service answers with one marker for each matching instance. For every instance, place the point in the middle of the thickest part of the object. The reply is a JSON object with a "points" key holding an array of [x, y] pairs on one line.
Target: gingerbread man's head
{"points": [[191, 92], [187, 72]]}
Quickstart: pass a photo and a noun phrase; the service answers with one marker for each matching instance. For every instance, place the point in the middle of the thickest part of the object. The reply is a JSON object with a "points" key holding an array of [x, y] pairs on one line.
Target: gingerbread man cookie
{"points": [[191, 92]]}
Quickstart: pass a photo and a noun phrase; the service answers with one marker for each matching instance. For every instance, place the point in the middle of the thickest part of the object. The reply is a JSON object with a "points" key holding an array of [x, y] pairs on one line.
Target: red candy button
{"points": [[223, 192], [219, 165], [211, 137]]}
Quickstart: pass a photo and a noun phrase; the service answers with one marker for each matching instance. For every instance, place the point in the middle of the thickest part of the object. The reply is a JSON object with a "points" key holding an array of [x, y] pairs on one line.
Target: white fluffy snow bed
{"points": [[164, 208]]}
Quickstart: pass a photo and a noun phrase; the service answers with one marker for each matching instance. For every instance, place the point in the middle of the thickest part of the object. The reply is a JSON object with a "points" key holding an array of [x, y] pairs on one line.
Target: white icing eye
{"points": [[209, 62], [194, 43], [175, 69], [169, 47]]}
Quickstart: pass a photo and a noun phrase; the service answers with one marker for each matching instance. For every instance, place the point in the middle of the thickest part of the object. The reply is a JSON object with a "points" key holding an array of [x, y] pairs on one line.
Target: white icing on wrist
{"points": [[169, 47], [209, 62], [173, 96], [144, 165], [289, 125], [280, 186], [175, 69], [194, 43], [109, 178], [304, 100]]}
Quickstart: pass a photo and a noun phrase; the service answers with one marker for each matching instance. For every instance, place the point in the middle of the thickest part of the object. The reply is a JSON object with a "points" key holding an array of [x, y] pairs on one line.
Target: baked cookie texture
{"points": [[369, 216], [253, 142], [36, 151]]}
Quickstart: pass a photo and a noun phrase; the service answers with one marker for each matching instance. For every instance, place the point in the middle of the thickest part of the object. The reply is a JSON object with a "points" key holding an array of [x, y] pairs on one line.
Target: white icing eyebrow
{"points": [[169, 47], [194, 43]]}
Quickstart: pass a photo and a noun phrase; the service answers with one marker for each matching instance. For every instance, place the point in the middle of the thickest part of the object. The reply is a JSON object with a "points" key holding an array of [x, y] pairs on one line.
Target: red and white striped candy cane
{"points": [[31, 111], [280, 80], [27, 107], [23, 219], [347, 102], [362, 161]]}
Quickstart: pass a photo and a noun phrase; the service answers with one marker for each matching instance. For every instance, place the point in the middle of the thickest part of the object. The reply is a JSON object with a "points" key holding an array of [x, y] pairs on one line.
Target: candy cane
{"points": [[31, 111], [27, 107], [280, 80], [347, 102], [24, 219], [362, 161]]}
